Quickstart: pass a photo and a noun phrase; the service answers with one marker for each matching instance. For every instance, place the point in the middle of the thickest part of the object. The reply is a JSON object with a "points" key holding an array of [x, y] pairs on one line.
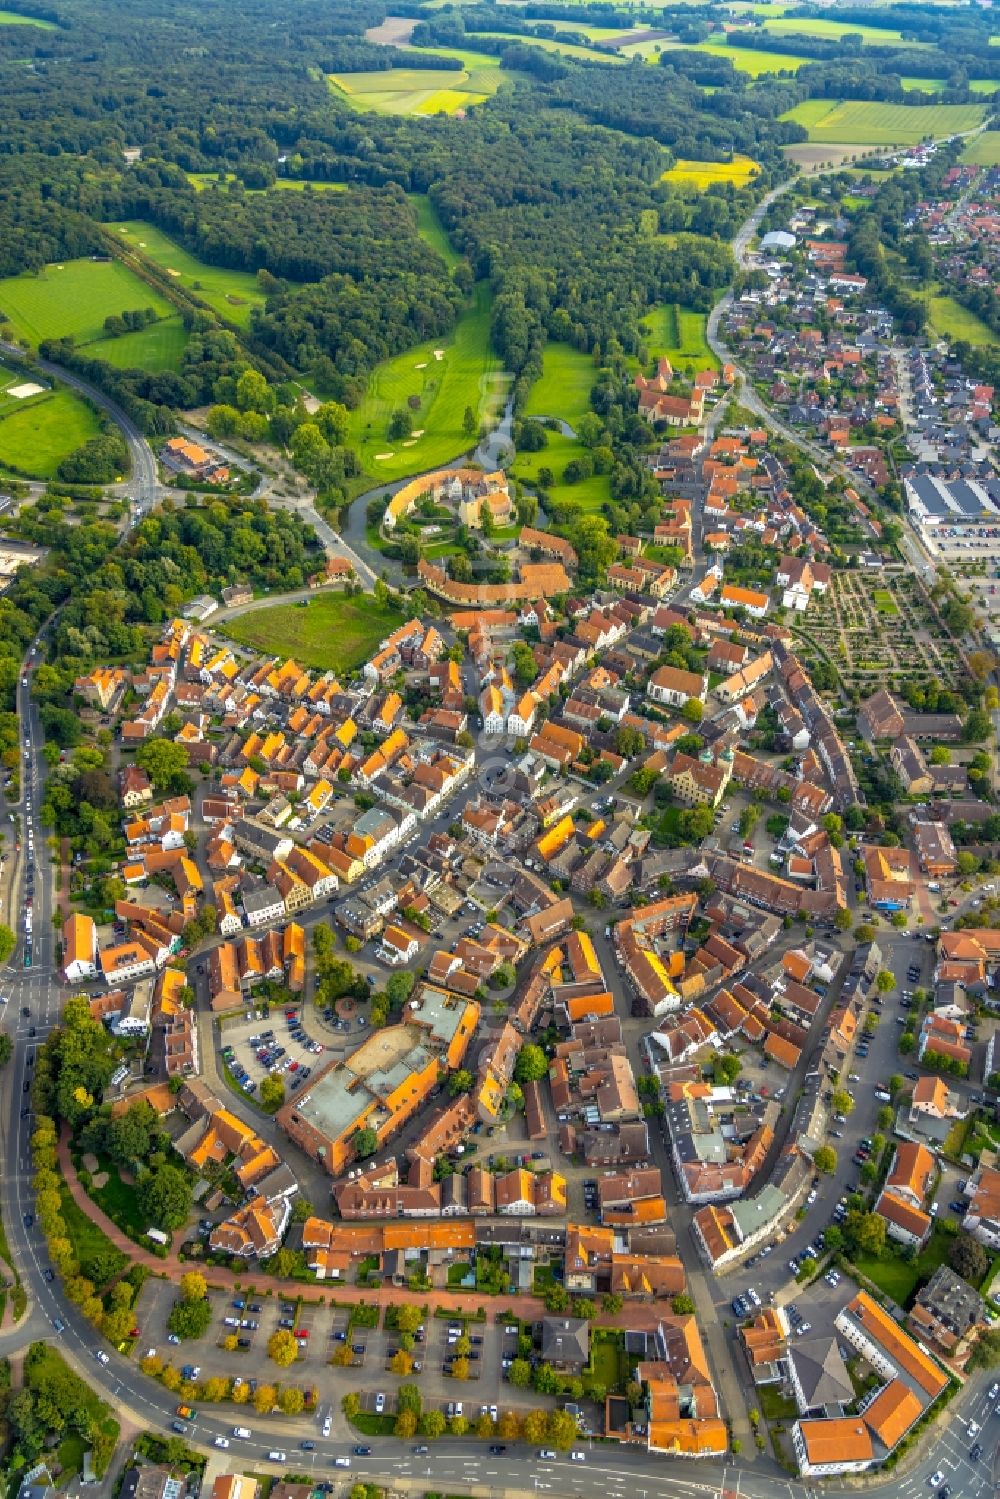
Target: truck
{"points": [[186, 1412]]}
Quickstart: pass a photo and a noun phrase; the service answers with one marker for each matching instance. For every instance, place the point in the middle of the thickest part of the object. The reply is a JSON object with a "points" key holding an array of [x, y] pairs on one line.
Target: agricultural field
{"points": [[568, 376], [158, 347], [873, 36], [422, 91], [701, 174], [938, 85], [330, 632], [678, 334], [38, 433], [548, 44], [74, 298], [866, 123], [984, 151], [202, 180], [466, 374], [949, 319], [232, 294], [432, 229]]}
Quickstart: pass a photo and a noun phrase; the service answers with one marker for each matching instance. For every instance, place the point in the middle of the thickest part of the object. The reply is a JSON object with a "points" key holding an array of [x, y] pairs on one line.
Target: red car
{"points": [[301, 1332]]}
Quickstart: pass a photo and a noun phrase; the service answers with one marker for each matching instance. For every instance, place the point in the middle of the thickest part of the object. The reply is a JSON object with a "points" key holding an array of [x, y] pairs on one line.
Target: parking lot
{"points": [[325, 1336], [276, 1045]]}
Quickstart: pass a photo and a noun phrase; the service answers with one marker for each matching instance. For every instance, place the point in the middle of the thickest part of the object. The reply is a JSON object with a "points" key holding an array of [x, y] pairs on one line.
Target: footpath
{"points": [[641, 1316]]}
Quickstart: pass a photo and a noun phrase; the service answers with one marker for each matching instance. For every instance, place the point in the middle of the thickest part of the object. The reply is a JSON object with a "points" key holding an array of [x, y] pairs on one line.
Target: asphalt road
{"points": [[604, 1470]]}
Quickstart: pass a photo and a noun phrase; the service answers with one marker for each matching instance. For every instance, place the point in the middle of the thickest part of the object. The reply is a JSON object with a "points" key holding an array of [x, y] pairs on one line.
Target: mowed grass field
{"points": [[233, 294], [331, 633], [432, 229], [938, 85], [200, 181], [467, 374], [750, 60], [855, 122], [590, 494], [549, 44], [37, 434], [422, 91], [568, 376], [984, 151], [873, 36], [74, 298], [158, 347], [11, 18], [701, 174], [949, 319], [678, 334]]}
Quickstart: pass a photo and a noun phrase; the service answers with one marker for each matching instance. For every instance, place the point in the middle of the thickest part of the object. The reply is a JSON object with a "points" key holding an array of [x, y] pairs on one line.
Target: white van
{"points": [[242, 1431], [342, 1462], [276, 1457]]}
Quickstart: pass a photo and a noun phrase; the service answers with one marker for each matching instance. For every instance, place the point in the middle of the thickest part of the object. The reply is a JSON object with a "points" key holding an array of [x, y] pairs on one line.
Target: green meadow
{"points": [[73, 299], [855, 122]]}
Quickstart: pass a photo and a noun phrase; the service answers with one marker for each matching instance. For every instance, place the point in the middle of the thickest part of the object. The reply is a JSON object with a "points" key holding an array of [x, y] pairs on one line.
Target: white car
{"points": [[102, 1357], [974, 1428], [547, 1455], [326, 1426], [936, 1479], [994, 1391], [578, 1457], [753, 1297], [379, 1403], [222, 1441]]}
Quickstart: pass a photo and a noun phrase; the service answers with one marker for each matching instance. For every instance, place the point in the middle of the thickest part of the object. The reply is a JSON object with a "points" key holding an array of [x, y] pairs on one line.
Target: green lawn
{"points": [[898, 1279], [432, 229], [678, 334], [233, 294], [37, 434], [568, 376], [984, 151], [74, 298], [949, 319], [467, 374], [330, 633], [590, 493], [84, 1235], [158, 347], [119, 1200], [884, 601], [855, 122]]}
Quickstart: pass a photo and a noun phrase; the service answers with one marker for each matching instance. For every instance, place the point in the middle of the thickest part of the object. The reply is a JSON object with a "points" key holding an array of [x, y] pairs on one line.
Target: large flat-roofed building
{"points": [[940, 502], [385, 1082]]}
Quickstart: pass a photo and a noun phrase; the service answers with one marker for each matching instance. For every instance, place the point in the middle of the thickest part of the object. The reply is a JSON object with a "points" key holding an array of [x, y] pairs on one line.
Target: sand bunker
{"points": [[439, 353], [418, 432], [381, 457], [410, 442], [22, 392], [421, 366]]}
